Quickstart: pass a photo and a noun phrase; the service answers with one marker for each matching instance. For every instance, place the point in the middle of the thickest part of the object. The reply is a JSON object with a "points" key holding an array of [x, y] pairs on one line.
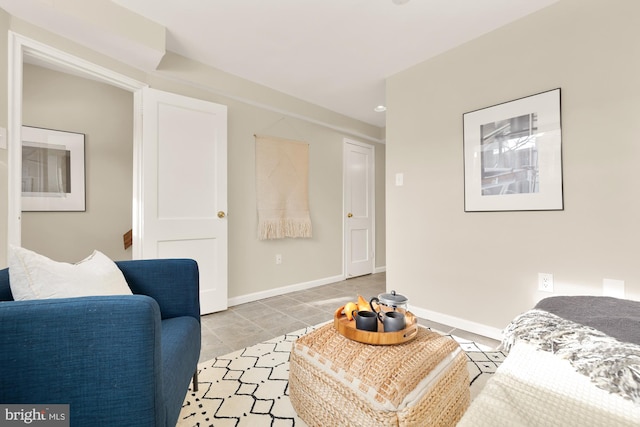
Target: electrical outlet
{"points": [[278, 258], [545, 282]]}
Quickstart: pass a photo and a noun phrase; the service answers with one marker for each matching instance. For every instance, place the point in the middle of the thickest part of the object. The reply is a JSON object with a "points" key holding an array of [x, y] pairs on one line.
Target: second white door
{"points": [[359, 191]]}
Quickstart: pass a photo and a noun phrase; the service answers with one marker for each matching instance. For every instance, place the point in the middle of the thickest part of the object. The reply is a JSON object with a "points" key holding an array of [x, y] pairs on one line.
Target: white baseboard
{"points": [[456, 322], [242, 299]]}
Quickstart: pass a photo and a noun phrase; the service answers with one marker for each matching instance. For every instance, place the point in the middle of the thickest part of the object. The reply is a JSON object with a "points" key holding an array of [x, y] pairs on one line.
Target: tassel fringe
{"points": [[281, 228]]}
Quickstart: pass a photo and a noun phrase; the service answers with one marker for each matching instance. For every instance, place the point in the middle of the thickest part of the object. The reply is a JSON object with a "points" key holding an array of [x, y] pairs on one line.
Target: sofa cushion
{"points": [[34, 276]]}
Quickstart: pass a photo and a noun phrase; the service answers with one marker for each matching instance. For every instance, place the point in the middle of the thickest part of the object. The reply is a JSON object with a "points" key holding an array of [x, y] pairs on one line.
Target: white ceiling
{"points": [[333, 53]]}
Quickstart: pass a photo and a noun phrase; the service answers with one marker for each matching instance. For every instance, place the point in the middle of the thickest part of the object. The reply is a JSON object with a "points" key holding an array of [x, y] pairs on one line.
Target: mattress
{"points": [[573, 361], [536, 388]]}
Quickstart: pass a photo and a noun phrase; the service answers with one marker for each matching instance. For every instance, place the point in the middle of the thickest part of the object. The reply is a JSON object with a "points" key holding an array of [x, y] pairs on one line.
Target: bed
{"points": [[573, 361]]}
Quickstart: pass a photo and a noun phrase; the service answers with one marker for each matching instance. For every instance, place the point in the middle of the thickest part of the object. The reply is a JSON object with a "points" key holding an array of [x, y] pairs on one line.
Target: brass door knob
{"points": [[221, 214], [349, 215]]}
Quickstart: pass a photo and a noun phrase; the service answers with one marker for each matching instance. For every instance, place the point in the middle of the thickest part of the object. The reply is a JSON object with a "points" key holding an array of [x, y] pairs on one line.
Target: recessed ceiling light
{"points": [[380, 109], [400, 2]]}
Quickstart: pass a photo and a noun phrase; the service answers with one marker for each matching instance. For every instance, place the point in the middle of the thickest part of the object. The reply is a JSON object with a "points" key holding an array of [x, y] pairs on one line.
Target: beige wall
{"points": [[480, 269], [252, 267], [5, 20], [381, 201], [252, 109], [104, 114]]}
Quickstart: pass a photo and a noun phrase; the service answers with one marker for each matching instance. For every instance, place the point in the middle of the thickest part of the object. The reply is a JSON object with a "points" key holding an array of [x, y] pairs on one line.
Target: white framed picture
{"points": [[513, 155], [53, 175]]}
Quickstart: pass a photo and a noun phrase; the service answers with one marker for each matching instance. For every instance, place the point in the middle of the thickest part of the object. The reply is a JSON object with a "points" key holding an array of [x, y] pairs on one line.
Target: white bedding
{"points": [[537, 388]]}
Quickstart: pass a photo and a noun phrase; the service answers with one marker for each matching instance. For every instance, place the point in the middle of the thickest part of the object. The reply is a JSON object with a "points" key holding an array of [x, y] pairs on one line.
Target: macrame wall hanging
{"points": [[282, 188]]}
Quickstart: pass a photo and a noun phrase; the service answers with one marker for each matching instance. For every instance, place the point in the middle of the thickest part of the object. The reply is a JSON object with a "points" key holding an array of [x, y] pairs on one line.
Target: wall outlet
{"points": [[545, 282], [278, 258]]}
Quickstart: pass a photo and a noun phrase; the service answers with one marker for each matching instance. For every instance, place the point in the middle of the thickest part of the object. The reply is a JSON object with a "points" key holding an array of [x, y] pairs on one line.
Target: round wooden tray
{"points": [[348, 329]]}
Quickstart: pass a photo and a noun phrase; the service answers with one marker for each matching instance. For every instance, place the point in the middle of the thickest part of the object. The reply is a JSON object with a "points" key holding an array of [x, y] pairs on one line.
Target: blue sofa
{"points": [[116, 360]]}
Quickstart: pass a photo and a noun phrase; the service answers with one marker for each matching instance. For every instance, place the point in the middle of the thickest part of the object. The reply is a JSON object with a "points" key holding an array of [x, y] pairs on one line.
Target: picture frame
{"points": [[513, 155], [53, 170]]}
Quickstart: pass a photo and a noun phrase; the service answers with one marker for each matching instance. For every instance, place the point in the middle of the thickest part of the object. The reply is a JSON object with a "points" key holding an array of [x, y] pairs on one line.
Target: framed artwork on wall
{"points": [[53, 175], [513, 155]]}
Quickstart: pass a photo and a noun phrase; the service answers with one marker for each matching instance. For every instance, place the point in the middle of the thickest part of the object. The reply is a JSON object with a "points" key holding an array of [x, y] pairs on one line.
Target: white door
{"points": [[184, 188], [359, 205]]}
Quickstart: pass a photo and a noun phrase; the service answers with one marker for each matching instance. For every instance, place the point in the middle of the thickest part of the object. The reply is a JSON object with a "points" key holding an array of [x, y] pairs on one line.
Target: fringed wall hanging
{"points": [[282, 188]]}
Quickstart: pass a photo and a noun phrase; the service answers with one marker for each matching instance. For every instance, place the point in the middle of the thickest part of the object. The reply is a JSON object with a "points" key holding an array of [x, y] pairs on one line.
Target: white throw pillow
{"points": [[34, 276]]}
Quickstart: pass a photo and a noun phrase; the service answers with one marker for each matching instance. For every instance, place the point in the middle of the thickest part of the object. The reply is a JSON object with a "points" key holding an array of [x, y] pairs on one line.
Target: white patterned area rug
{"points": [[249, 387]]}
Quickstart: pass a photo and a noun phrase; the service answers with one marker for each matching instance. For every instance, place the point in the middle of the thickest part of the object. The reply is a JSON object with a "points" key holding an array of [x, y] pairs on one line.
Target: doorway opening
{"points": [[22, 49]]}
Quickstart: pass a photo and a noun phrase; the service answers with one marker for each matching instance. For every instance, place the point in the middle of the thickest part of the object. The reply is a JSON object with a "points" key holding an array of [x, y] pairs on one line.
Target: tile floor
{"points": [[251, 323]]}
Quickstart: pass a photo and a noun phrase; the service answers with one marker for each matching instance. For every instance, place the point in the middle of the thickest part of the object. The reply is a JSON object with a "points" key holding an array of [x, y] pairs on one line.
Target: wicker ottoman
{"points": [[334, 381]]}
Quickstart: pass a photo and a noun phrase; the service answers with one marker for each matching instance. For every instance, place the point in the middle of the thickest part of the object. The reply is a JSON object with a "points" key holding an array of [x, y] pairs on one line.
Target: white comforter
{"points": [[537, 388]]}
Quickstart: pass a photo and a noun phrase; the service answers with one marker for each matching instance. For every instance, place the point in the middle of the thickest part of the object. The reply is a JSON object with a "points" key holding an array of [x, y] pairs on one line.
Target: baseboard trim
{"points": [[456, 322], [242, 299]]}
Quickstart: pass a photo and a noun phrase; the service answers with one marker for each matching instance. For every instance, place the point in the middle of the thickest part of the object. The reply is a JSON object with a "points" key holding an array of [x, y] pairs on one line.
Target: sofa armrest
{"points": [[92, 353], [173, 283]]}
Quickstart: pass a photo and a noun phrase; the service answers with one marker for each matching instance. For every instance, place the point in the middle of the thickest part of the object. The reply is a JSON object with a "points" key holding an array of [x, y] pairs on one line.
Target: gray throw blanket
{"points": [[618, 318], [611, 365]]}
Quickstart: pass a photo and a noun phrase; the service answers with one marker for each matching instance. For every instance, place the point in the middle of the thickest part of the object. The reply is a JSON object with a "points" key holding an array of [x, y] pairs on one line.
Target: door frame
{"points": [[372, 185], [19, 46]]}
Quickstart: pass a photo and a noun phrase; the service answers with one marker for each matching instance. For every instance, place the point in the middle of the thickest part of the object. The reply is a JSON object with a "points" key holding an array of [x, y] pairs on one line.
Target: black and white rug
{"points": [[249, 387]]}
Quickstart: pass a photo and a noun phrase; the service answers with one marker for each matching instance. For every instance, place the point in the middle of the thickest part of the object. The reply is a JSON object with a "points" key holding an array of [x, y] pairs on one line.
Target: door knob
{"points": [[221, 214], [349, 215]]}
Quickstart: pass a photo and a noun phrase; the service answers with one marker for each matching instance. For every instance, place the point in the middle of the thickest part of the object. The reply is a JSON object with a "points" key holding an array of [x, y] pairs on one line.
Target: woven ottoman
{"points": [[334, 381]]}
